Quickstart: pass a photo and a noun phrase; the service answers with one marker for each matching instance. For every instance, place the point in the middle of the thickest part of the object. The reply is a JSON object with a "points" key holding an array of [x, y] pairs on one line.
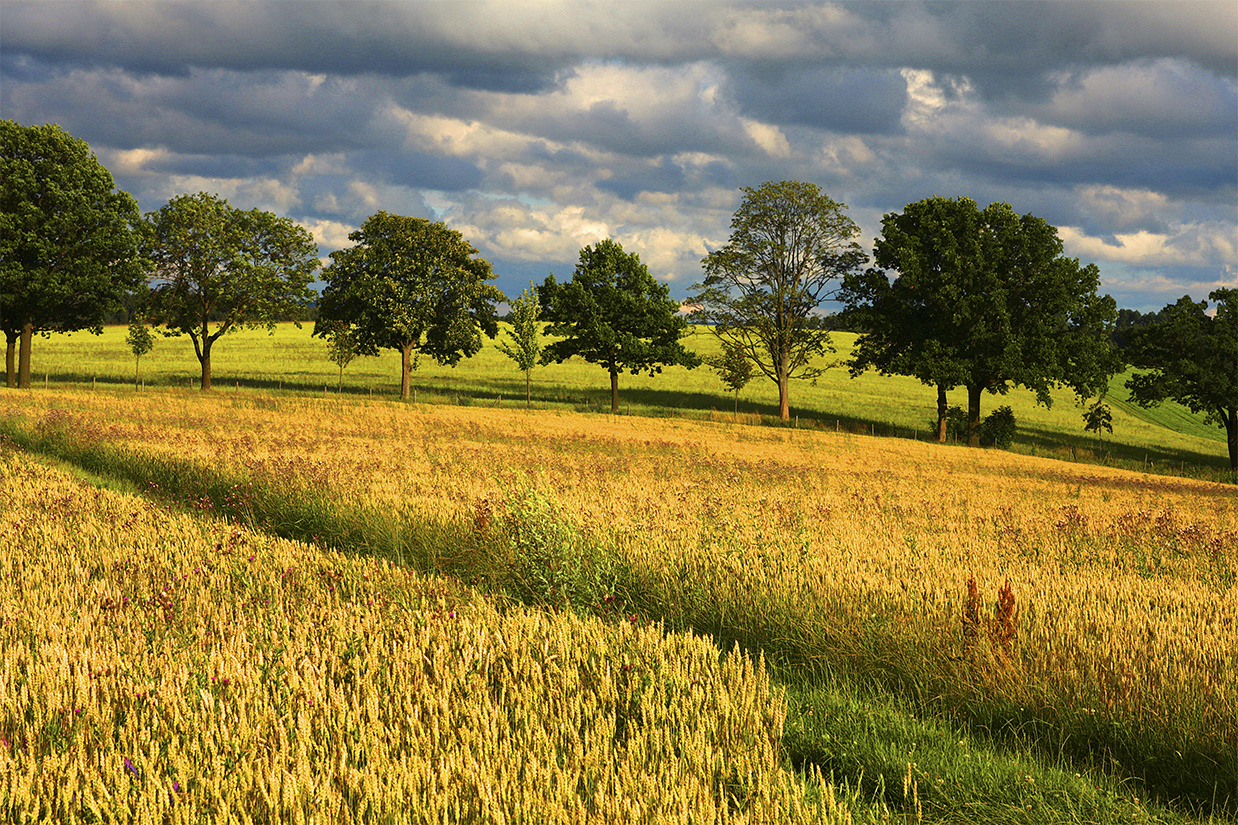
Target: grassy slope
{"points": [[1169, 436]]}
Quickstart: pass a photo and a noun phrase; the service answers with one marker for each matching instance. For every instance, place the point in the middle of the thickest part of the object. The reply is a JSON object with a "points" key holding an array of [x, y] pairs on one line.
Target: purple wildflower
{"points": [[129, 767]]}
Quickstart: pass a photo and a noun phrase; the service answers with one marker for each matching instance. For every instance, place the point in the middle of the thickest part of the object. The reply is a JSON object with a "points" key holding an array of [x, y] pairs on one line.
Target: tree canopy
{"points": [[218, 268], [615, 314], [1192, 358], [410, 285], [983, 299], [68, 238], [790, 246]]}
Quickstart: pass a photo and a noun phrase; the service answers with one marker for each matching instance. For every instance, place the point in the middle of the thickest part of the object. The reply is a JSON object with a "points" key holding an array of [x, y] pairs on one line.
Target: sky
{"points": [[536, 128]]}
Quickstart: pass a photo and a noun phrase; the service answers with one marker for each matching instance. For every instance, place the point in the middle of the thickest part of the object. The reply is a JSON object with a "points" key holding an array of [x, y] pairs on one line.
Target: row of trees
{"points": [[73, 248], [956, 296]]}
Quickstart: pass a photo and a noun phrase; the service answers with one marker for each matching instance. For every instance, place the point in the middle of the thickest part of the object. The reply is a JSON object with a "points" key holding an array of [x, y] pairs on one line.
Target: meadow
{"points": [[869, 628], [1168, 438]]}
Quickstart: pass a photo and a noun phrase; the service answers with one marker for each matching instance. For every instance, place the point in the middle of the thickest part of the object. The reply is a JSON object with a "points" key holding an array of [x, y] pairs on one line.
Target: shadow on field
{"points": [[1039, 441]]}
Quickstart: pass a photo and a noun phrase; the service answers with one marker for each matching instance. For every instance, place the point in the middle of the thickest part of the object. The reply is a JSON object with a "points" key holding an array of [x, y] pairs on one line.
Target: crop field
{"points": [[1081, 617], [180, 670]]}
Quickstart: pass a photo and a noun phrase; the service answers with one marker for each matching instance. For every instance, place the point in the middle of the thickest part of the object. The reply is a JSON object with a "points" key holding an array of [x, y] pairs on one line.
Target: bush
{"points": [[956, 424], [997, 428], [550, 562]]}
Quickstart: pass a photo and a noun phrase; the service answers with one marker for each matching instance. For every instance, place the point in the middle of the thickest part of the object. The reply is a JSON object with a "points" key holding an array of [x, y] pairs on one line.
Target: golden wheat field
{"points": [[982, 575], [160, 668]]}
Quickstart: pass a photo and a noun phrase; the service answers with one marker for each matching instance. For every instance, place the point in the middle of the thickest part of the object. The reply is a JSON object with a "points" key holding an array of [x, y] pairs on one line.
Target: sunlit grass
{"points": [[290, 361], [161, 667]]}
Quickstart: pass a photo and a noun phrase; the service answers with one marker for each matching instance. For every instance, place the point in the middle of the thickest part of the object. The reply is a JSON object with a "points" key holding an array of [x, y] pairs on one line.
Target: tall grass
{"points": [[159, 666]]}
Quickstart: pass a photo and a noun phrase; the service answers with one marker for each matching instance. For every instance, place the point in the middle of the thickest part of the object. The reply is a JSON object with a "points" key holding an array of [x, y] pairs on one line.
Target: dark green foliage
{"points": [[1098, 417], [956, 424], [1191, 358], [615, 314], [998, 428], [410, 284], [218, 265], [790, 246], [68, 238], [982, 299]]}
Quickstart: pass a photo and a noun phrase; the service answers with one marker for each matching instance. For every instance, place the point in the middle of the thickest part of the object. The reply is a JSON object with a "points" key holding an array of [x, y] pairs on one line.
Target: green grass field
{"points": [[1168, 438]]}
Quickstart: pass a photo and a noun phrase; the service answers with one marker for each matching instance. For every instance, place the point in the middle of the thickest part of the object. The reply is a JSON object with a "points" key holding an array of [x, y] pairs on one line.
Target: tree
{"points": [[733, 367], [341, 348], [526, 337], [615, 314], [219, 269], [409, 284], [1191, 358], [982, 299], [68, 239], [1098, 417], [790, 246], [140, 342]]}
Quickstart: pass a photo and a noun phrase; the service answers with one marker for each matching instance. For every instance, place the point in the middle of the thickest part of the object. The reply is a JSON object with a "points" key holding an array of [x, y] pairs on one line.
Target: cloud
{"points": [[536, 127], [1159, 99]]}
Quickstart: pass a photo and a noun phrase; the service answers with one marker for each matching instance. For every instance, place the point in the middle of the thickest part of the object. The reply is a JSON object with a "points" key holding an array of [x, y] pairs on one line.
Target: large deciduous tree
{"points": [[983, 299], [1191, 358], [218, 269], [68, 239], [410, 285], [615, 314], [790, 246]]}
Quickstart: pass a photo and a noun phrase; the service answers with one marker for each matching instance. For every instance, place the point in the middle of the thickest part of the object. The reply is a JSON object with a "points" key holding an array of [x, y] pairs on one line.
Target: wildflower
{"points": [[129, 767]]}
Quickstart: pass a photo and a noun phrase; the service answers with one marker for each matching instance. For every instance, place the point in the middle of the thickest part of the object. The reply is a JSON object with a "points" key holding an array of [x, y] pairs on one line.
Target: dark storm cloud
{"points": [[665, 176], [587, 117], [202, 111], [836, 99], [417, 170], [169, 38]]}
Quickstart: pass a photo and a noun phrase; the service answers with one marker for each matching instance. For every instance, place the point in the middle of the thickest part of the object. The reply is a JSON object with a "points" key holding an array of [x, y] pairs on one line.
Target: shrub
{"points": [[996, 429], [550, 562]]}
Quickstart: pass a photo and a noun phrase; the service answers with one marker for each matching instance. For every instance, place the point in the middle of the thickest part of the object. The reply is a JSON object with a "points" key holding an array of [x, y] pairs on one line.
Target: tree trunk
{"points": [[973, 414], [943, 413], [205, 358], [137, 370], [1231, 430], [10, 357], [406, 370], [784, 400], [528, 390], [23, 357], [614, 390], [202, 349]]}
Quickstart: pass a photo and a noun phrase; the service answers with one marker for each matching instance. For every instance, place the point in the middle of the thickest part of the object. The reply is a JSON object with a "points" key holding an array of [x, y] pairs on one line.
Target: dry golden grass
{"points": [[825, 547], [155, 667]]}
